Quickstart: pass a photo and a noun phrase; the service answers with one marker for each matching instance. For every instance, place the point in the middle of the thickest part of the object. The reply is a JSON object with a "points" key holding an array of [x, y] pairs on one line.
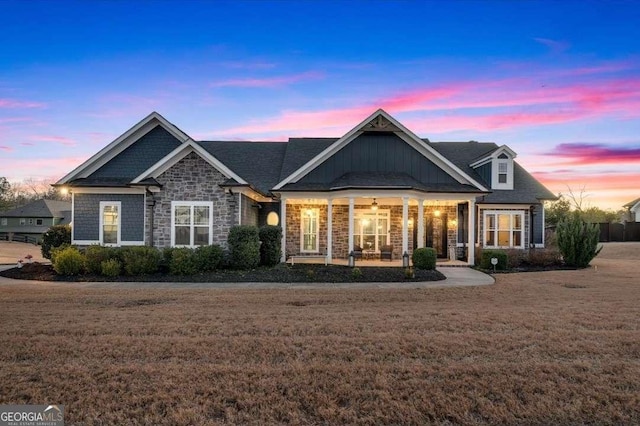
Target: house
{"points": [[32, 220], [633, 208], [379, 185]]}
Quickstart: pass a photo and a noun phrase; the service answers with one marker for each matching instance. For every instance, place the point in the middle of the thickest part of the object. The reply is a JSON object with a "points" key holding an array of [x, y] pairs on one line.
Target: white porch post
{"points": [[329, 229], [351, 203], [420, 223], [283, 224], [405, 225], [471, 246]]}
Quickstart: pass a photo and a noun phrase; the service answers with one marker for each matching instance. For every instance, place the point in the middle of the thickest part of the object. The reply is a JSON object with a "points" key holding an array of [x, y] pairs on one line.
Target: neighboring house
{"points": [[634, 210], [377, 185], [33, 219]]}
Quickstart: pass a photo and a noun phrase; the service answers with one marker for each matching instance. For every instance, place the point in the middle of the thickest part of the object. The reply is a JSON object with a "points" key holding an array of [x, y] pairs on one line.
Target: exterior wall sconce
{"points": [[405, 260], [273, 219], [410, 223], [374, 205], [454, 223], [436, 213]]}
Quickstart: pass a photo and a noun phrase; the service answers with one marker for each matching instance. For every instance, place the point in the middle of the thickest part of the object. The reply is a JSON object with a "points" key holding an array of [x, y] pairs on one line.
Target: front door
{"points": [[436, 234]]}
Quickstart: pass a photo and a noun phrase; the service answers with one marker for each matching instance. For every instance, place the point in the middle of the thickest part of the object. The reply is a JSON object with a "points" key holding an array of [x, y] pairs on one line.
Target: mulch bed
{"points": [[280, 273]]}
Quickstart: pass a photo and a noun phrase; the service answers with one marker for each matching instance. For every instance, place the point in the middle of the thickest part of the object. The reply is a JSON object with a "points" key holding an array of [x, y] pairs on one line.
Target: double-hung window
{"points": [[504, 229], [309, 229], [503, 169], [191, 223]]}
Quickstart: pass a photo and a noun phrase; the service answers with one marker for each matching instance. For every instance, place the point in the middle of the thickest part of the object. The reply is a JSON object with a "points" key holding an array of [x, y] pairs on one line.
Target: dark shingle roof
{"points": [[258, 163], [301, 150], [40, 208], [632, 203]]}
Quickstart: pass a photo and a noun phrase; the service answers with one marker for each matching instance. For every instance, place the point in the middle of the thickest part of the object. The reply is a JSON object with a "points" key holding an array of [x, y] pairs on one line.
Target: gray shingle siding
{"points": [[87, 216], [137, 158]]}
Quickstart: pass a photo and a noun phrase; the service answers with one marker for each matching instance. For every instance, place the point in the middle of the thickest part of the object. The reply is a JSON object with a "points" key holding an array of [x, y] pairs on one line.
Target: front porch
{"points": [[377, 227], [378, 263]]}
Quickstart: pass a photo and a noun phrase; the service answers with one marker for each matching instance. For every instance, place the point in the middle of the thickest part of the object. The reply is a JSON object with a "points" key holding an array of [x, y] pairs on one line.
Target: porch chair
{"points": [[386, 252], [357, 252]]}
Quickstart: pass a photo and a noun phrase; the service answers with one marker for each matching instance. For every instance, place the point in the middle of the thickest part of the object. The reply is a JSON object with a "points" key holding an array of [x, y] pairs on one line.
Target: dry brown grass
{"points": [[536, 348]]}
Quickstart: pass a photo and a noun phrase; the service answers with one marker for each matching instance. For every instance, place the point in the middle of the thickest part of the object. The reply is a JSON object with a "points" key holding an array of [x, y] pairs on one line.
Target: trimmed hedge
{"points": [[55, 236], [96, 255], [501, 255], [271, 245], [208, 258], [424, 258], [111, 268], [244, 245], [182, 261], [68, 261], [141, 260]]}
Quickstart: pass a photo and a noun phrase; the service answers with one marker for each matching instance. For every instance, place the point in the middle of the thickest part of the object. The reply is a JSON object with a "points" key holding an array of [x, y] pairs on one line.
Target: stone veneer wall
{"points": [[193, 179], [340, 239]]}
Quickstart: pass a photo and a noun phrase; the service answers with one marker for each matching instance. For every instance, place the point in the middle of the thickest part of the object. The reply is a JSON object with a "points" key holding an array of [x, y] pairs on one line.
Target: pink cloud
{"points": [[54, 168], [553, 45], [6, 148], [268, 82], [249, 65], [594, 153], [27, 144], [62, 140], [14, 103]]}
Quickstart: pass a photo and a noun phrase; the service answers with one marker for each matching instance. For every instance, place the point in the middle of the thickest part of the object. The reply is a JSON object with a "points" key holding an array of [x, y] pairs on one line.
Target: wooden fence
{"points": [[628, 231]]}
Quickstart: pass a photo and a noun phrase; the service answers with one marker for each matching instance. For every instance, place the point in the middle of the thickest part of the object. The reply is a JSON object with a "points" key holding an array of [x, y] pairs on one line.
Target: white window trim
{"points": [[23, 221], [303, 212], [4, 221], [190, 204], [104, 204], [41, 222], [511, 213], [360, 213], [495, 178]]}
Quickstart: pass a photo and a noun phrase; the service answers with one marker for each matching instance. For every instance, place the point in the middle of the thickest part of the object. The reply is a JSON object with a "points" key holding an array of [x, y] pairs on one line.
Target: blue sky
{"points": [[559, 82]]}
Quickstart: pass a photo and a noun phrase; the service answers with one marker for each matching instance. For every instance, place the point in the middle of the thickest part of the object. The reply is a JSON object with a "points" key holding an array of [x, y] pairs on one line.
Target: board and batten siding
{"points": [[86, 221], [379, 152]]}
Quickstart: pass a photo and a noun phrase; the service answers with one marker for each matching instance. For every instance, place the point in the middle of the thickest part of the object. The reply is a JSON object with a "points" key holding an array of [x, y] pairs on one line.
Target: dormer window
{"points": [[503, 168]]}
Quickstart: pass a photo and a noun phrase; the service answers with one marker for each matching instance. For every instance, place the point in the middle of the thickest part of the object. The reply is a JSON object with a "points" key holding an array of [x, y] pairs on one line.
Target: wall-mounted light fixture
{"points": [[374, 205], [436, 213]]}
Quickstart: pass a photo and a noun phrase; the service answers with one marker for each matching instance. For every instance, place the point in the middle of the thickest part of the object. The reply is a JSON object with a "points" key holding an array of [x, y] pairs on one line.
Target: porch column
{"points": [[329, 229], [405, 225], [420, 223], [471, 246], [351, 203], [283, 224]]}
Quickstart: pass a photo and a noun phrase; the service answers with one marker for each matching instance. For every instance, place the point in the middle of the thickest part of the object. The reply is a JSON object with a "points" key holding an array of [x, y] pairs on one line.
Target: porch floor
{"points": [[382, 263]]}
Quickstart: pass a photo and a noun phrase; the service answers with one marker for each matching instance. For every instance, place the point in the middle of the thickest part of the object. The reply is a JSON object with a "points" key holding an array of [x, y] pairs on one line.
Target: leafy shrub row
{"points": [[55, 236], [514, 258]]}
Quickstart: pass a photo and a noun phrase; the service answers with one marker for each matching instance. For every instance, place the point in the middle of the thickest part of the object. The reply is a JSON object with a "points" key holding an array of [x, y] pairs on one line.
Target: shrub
{"points": [[183, 262], [55, 236], [165, 262], [55, 250], [95, 255], [244, 245], [110, 268], [356, 274], [271, 247], [516, 258], [141, 260], [578, 241], [544, 257], [69, 261], [208, 258], [501, 255], [424, 258]]}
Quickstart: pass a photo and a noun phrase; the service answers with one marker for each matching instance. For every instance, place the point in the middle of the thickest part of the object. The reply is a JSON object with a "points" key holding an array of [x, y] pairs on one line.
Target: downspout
{"points": [[532, 242], [151, 204]]}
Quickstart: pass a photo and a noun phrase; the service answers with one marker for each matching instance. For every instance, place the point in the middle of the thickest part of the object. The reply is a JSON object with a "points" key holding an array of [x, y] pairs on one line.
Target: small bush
{"points": [[183, 262], [208, 258], [141, 260], [95, 255], [69, 261], [544, 258], [516, 258], [55, 236], [165, 262], [424, 258], [578, 241], [244, 245], [271, 247], [409, 273], [501, 255], [356, 274], [55, 250], [110, 268]]}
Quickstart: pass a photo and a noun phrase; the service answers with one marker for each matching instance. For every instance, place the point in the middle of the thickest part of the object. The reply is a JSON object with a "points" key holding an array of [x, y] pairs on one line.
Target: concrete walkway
{"points": [[456, 277]]}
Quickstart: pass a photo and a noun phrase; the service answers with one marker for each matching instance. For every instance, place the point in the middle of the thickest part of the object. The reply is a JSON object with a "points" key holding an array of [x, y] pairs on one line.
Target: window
{"points": [[504, 229], [191, 223], [110, 223], [503, 167], [39, 222], [309, 227], [23, 221], [30, 221], [3, 222], [371, 229]]}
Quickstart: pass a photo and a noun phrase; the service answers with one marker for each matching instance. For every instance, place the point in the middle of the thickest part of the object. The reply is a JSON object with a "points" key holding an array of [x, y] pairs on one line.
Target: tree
{"points": [[557, 210], [578, 240], [5, 194]]}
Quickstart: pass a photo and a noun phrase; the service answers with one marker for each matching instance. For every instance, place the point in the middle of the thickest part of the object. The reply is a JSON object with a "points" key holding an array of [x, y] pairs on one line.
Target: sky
{"points": [[558, 82]]}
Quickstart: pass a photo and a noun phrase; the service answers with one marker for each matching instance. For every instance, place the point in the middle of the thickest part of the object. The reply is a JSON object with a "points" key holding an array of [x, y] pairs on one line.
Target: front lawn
{"points": [[301, 273]]}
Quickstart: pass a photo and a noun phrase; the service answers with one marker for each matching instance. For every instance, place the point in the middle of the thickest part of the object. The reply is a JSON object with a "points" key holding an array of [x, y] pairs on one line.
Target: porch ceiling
{"points": [[383, 201]]}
